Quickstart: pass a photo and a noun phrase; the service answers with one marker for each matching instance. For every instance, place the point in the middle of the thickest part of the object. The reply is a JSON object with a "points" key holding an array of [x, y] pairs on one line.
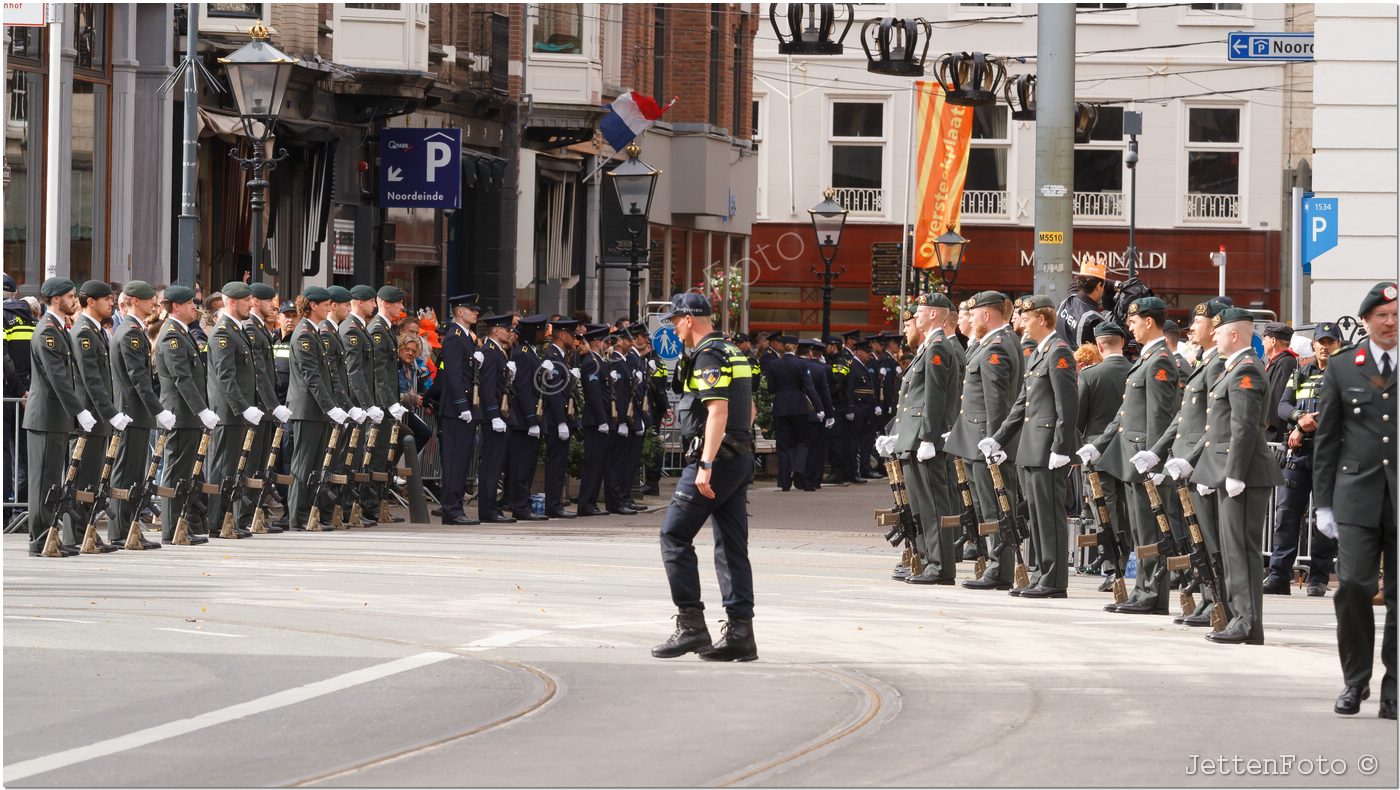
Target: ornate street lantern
{"points": [[809, 27], [828, 220], [949, 249], [1020, 97], [896, 45], [1086, 117], [970, 79], [258, 73]]}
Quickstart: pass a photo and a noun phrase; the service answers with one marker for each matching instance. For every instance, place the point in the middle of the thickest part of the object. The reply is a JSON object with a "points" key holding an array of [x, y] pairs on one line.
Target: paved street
{"points": [[518, 656]]}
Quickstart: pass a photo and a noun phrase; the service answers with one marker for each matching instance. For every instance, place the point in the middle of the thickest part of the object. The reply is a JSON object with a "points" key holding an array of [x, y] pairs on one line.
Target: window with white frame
{"points": [[985, 191], [858, 155], [1229, 8], [1214, 148], [758, 122], [612, 45], [232, 17], [558, 29], [1098, 168]]}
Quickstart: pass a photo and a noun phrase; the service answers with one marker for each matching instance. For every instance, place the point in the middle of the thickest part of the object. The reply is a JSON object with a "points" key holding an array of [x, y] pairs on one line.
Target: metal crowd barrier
{"points": [[13, 510]]}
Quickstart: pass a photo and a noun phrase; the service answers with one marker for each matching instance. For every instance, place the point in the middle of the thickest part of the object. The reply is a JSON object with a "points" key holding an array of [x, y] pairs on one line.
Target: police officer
{"points": [[261, 341], [557, 385], [1150, 402], [1280, 363], [1042, 423], [619, 475], [716, 421], [1298, 408], [1086, 291], [597, 418], [364, 386], [91, 358], [133, 382], [233, 396], [641, 411], [839, 362], [457, 423], [1100, 396], [184, 393], [494, 382], [526, 411], [19, 328], [794, 400], [658, 404], [1354, 492], [313, 400], [385, 355], [821, 420], [860, 409]]}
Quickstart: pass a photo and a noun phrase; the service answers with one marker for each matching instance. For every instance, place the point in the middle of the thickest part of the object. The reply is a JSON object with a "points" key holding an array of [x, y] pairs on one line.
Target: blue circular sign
{"points": [[665, 343]]}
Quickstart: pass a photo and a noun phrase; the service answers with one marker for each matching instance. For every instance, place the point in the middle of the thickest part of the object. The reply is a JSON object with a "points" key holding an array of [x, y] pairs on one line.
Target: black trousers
{"points": [[493, 464], [595, 452], [1290, 505], [616, 482], [855, 456], [522, 454], [791, 435], [457, 443], [836, 445], [816, 455], [132, 457], [636, 440], [48, 457], [556, 469], [1361, 550], [728, 512]]}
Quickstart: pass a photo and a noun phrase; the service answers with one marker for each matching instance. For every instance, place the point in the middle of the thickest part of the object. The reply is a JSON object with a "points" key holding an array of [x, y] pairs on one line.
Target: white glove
{"points": [[1204, 490], [376, 414], [637, 374], [357, 414], [1089, 454], [926, 451], [651, 365], [281, 413], [879, 411], [511, 367], [1178, 468], [563, 432], [533, 432], [884, 371], [988, 447], [1157, 479], [615, 376], [850, 418], [1144, 460], [1234, 487], [479, 357], [1057, 460], [946, 435], [120, 421], [166, 419], [253, 415], [576, 373], [498, 425], [465, 416], [622, 429], [397, 411], [1326, 522], [337, 415], [548, 366], [884, 444], [86, 420], [821, 415], [209, 418], [604, 428], [830, 421]]}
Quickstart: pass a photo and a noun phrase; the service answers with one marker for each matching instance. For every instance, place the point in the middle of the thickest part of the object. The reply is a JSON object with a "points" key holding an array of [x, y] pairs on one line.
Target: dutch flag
{"points": [[628, 116]]}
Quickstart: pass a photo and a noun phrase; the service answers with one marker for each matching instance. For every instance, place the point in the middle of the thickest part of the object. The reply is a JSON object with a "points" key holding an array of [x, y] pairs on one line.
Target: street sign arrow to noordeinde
{"points": [[1270, 46], [422, 168]]}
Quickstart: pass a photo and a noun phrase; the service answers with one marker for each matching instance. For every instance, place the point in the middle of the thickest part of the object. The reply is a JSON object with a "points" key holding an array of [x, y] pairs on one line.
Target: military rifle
{"points": [[97, 500], [317, 484], [195, 506], [391, 468], [1176, 557], [142, 491], [269, 473], [967, 521], [1008, 528], [1106, 539], [341, 480], [361, 475], [60, 498], [233, 485], [903, 523], [1206, 566]]}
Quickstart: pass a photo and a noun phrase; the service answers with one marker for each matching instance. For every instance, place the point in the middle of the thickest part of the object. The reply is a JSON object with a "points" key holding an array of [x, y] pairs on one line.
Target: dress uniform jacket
{"points": [[233, 384], [597, 390], [183, 380], [311, 395], [1041, 414], [1190, 423], [92, 361], [260, 342], [889, 377], [359, 362], [1150, 400], [1233, 444], [493, 382], [1101, 394], [133, 377], [991, 382], [912, 405], [790, 383], [525, 397], [386, 362], [458, 371], [1354, 449], [335, 363], [558, 392], [54, 402], [622, 386]]}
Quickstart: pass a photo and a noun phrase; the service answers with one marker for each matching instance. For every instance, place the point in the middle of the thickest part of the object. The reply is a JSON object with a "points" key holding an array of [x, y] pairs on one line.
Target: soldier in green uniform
{"points": [[94, 384], [262, 342], [1042, 419], [1233, 458], [359, 367], [134, 383], [903, 440], [233, 385], [183, 392], [345, 394], [312, 400], [53, 407], [1150, 400], [385, 356], [1354, 492], [1100, 397]]}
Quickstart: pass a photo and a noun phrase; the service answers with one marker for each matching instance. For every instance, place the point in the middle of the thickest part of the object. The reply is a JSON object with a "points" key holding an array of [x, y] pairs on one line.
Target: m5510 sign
{"points": [[420, 168], [1270, 46]]}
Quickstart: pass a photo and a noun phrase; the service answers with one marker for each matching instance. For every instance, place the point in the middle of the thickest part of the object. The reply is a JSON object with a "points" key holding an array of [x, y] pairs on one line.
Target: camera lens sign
{"points": [[420, 168]]}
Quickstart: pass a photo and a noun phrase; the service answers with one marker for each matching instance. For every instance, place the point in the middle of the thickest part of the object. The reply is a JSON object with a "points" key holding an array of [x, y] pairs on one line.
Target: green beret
{"points": [[362, 292], [236, 290], [390, 293], [1107, 328], [261, 291], [988, 299], [96, 289], [179, 294], [1209, 308], [1037, 301], [315, 293], [339, 294], [1230, 315], [1145, 304], [1382, 293], [940, 300], [56, 286], [139, 289]]}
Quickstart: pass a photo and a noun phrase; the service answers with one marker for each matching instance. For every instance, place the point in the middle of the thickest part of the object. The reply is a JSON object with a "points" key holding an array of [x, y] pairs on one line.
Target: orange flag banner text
{"points": [[944, 133]]}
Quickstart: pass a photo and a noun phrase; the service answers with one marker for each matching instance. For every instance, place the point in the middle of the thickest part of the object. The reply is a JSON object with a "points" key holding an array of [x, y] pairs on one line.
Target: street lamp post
{"points": [[828, 219], [634, 185], [1132, 125], [949, 249], [258, 73]]}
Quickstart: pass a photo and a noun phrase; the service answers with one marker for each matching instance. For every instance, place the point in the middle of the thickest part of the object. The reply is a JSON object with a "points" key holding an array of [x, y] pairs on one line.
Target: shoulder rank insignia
{"points": [[305, 345], [994, 359], [1245, 383], [354, 341], [223, 342], [136, 342], [1161, 375], [48, 342], [85, 343], [174, 343], [1064, 363]]}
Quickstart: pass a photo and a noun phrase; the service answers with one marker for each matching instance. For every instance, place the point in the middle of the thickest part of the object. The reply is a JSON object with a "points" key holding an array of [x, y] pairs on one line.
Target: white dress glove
{"points": [[166, 419], [1326, 522], [622, 429], [576, 373], [604, 428], [563, 432], [1204, 490], [548, 366], [337, 415], [533, 432], [884, 445], [1234, 487], [879, 411], [397, 410], [1157, 479], [1089, 454], [479, 357], [376, 414], [281, 413], [988, 447], [465, 416], [637, 374], [1178, 468], [120, 421], [86, 420], [209, 418], [498, 425], [357, 414], [1144, 460], [253, 415], [821, 415], [614, 375], [830, 421], [850, 418], [511, 367], [926, 451], [1057, 460]]}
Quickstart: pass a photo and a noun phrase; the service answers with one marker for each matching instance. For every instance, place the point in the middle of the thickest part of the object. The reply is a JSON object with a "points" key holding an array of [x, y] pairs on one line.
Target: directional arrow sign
{"points": [[1270, 46], [421, 168], [396, 174]]}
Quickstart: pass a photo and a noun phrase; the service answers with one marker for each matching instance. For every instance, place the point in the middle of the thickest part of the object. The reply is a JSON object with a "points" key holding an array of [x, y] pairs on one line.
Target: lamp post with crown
{"points": [[828, 219], [258, 73], [634, 185]]}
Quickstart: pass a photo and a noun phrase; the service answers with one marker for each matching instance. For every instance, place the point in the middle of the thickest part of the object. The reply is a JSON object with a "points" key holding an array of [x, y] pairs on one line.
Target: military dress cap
{"points": [[564, 325], [1109, 329], [1171, 327], [315, 293], [689, 303], [1145, 304], [236, 290], [391, 294], [1209, 308], [854, 334], [95, 289], [596, 332], [988, 299], [1019, 304], [472, 301], [967, 304], [179, 294], [1278, 331], [530, 324], [1037, 302], [139, 289], [362, 292], [56, 286], [339, 294], [10, 285], [288, 307], [863, 345], [1382, 293], [1327, 329], [262, 291], [832, 340], [1230, 315], [495, 320]]}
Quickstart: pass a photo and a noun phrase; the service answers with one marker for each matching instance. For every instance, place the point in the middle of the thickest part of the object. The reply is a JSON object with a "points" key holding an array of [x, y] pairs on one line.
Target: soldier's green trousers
{"points": [[928, 496], [48, 457], [1001, 562], [132, 457], [1241, 524], [180, 452], [1045, 497], [308, 451]]}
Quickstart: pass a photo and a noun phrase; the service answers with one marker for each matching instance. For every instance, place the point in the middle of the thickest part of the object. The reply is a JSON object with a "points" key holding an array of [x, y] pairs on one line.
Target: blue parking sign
{"points": [[420, 168], [1320, 215]]}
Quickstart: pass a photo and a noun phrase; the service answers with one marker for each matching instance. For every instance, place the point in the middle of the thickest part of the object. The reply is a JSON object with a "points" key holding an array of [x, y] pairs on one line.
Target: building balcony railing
{"points": [[861, 200], [984, 202], [1208, 208], [1098, 205], [489, 56]]}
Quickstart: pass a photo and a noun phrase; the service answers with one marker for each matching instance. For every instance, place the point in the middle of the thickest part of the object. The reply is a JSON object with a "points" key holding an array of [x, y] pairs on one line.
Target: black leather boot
{"points": [[691, 635], [735, 643]]}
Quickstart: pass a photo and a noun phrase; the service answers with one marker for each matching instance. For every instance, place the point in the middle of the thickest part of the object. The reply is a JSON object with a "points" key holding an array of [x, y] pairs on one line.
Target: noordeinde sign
{"points": [[420, 168]]}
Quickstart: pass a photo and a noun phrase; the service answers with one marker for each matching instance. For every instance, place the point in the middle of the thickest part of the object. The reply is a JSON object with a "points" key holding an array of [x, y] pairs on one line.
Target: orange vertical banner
{"points": [[945, 135]]}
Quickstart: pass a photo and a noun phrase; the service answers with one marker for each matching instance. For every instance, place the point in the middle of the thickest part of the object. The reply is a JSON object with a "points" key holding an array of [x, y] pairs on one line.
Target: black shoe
{"points": [[1349, 701], [1015, 592], [900, 573], [149, 544], [274, 528], [40, 553], [393, 520], [1128, 607], [1042, 592], [1317, 589], [366, 521], [653, 490], [638, 506], [459, 521], [299, 528], [280, 525], [1274, 585], [735, 643], [622, 511], [986, 584], [1107, 584], [858, 481], [1201, 619], [589, 511], [1387, 710], [195, 540], [435, 512], [690, 635], [529, 517], [1235, 635], [560, 514], [927, 577], [498, 519]]}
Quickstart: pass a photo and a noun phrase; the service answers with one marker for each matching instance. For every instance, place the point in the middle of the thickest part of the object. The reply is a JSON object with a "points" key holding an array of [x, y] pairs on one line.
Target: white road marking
{"points": [[503, 639], [27, 768], [608, 625], [39, 619], [202, 633]]}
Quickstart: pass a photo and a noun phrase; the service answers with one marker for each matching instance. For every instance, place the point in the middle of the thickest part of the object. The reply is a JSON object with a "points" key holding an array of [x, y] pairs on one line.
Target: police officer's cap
{"points": [[95, 289], [638, 330], [1382, 293], [809, 343], [853, 334], [339, 294], [391, 294], [1278, 331], [1327, 329], [262, 291], [315, 293], [1037, 302], [740, 337], [689, 303], [236, 290], [832, 340], [56, 286], [565, 325], [988, 299], [288, 307], [784, 339], [362, 292], [179, 294], [470, 301], [1231, 315], [10, 286], [139, 289], [1145, 304], [863, 345], [596, 332], [530, 324], [1209, 308], [495, 320], [1109, 329]]}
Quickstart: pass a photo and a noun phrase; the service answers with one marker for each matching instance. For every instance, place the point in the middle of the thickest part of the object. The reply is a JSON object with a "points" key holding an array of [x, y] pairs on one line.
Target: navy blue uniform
{"points": [[794, 400], [457, 376], [597, 413], [618, 485], [860, 411], [816, 426], [558, 397], [522, 449], [492, 383]]}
